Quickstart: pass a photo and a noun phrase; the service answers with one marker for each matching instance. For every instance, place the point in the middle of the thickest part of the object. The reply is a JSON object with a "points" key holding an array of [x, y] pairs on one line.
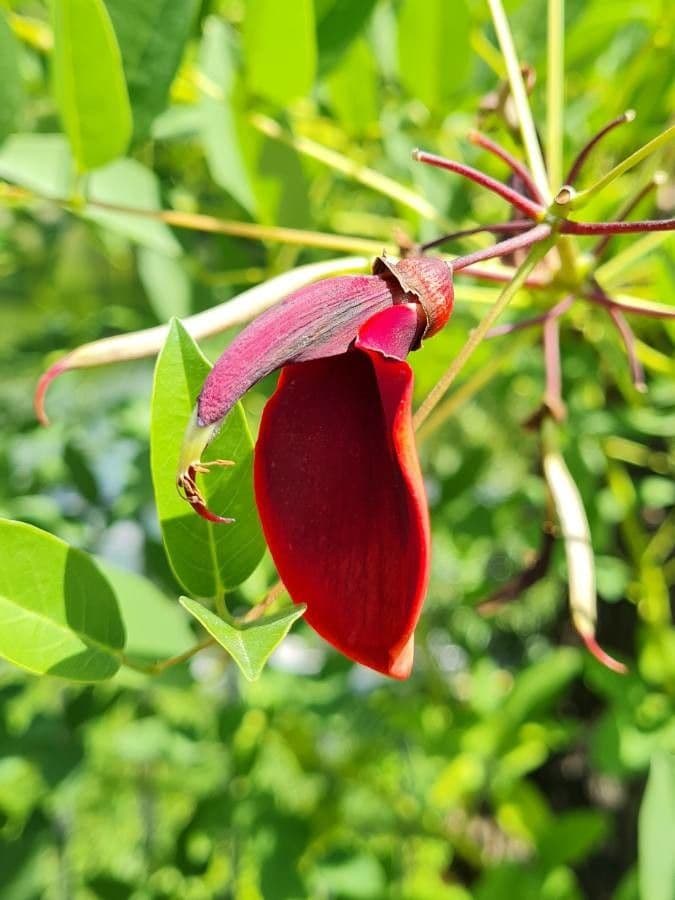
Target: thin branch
{"points": [[631, 204], [478, 334], [516, 166], [569, 227], [500, 228], [577, 200], [164, 664], [502, 276], [517, 585], [526, 206], [553, 395], [583, 154], [519, 94], [510, 327], [628, 338], [520, 242], [259, 610], [349, 167], [555, 88]]}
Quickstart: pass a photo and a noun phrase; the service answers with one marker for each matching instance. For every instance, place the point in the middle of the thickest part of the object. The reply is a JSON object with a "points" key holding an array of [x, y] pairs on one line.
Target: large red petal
{"points": [[342, 503]]}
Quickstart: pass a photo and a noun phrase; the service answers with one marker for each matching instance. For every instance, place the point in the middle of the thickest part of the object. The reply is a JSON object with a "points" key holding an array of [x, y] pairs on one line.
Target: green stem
{"points": [[577, 201], [527, 127], [478, 334], [158, 667], [555, 90]]}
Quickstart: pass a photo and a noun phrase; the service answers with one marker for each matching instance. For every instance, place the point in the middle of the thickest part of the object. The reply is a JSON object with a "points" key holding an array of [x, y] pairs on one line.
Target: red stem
{"points": [[502, 277], [628, 338], [601, 246], [500, 228], [569, 227], [554, 313], [599, 296], [526, 206], [582, 155], [533, 236], [553, 395], [482, 140]]}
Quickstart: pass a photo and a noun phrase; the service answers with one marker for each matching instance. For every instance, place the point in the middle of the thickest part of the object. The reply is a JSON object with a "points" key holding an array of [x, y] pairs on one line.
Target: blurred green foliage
{"points": [[510, 764]]}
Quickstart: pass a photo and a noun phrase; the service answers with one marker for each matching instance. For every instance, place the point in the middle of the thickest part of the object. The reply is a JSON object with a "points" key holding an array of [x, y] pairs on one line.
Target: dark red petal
{"points": [[342, 502]]}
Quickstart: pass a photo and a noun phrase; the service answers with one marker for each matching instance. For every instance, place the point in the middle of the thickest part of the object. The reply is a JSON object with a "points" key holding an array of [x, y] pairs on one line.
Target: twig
{"points": [[518, 168], [583, 154]]}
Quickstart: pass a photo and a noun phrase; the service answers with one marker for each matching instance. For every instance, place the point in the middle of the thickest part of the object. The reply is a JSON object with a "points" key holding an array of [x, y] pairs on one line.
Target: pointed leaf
{"points": [[10, 79], [152, 36], [89, 81], [251, 644], [58, 613], [205, 558]]}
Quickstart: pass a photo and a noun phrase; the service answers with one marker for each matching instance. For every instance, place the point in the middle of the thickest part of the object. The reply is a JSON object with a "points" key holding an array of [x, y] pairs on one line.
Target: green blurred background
{"points": [[510, 765]]}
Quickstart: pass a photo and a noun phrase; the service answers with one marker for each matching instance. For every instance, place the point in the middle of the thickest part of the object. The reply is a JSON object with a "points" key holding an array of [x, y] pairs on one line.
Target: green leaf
{"points": [[338, 26], [152, 36], [39, 162], [129, 183], [155, 625], [58, 613], [11, 93], [166, 283], [280, 46], [221, 125], [206, 558], [353, 89], [434, 49], [90, 88], [656, 828], [251, 644]]}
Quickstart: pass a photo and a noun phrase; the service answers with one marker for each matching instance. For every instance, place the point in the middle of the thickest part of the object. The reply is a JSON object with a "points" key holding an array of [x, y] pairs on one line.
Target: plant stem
{"points": [[500, 228], [636, 251], [520, 242], [553, 395], [526, 206], [570, 227], [349, 167], [482, 140], [582, 155], [478, 334], [628, 207], [628, 338], [555, 90], [519, 94], [261, 608], [162, 665], [510, 327], [583, 197]]}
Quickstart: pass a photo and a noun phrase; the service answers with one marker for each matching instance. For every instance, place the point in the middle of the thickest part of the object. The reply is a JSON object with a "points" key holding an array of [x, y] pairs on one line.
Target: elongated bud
{"points": [[318, 321]]}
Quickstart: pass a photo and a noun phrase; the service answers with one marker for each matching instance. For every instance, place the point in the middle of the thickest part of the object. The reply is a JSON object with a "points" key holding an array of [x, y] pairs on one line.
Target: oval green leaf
{"points": [[58, 613], [89, 82], [206, 558], [249, 644]]}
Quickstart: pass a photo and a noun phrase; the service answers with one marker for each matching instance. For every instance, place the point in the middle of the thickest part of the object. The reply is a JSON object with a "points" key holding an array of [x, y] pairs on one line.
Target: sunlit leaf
{"points": [[250, 645], [434, 49], [206, 558], [271, 29], [166, 283], [89, 80], [58, 613]]}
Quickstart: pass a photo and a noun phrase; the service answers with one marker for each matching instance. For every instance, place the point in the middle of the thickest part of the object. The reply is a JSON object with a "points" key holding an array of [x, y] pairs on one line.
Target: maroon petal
{"points": [[341, 498]]}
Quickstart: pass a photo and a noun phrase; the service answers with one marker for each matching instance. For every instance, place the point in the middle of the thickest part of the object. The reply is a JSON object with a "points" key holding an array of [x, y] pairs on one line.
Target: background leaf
{"points": [[89, 80], [251, 644], [434, 49], [152, 36], [656, 830], [58, 613], [155, 625], [206, 558], [270, 30], [11, 91], [166, 283]]}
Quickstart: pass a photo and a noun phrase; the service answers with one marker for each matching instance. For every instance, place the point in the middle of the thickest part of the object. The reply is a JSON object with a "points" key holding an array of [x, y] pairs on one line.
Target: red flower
{"points": [[337, 481]]}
